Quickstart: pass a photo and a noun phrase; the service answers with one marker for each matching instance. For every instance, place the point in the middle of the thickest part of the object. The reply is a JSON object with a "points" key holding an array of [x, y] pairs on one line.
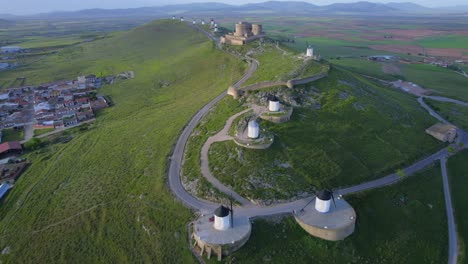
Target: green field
{"points": [[458, 178], [456, 114], [103, 197], [12, 134], [447, 42], [442, 81], [361, 132], [404, 223]]}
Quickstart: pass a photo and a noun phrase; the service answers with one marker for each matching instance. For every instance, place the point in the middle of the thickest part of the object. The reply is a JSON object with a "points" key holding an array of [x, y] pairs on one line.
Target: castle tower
{"points": [[257, 29]]}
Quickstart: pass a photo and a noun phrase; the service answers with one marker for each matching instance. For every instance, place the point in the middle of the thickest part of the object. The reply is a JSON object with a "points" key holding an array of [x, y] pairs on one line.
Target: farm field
{"points": [[357, 132], [102, 197], [441, 81], [458, 178], [456, 114], [394, 220]]}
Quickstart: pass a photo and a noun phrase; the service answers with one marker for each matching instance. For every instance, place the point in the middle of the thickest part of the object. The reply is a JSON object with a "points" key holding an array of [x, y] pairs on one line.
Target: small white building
{"points": [[10, 49], [273, 104], [253, 129], [173, 17], [310, 52], [203, 22], [222, 218], [181, 19], [323, 201], [194, 22]]}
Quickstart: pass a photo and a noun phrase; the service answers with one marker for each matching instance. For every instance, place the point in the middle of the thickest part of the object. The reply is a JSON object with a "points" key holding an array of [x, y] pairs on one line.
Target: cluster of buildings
{"points": [[53, 105]]}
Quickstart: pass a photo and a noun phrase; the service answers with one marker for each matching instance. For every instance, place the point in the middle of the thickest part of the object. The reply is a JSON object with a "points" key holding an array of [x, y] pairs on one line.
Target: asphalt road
{"points": [[452, 232], [447, 100]]}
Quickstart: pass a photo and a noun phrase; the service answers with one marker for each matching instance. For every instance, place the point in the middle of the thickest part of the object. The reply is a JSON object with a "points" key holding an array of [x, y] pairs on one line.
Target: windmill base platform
{"points": [[335, 225], [221, 243]]}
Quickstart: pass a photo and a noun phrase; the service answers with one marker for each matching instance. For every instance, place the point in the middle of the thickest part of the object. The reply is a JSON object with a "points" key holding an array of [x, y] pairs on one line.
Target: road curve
{"points": [[452, 232], [204, 206], [204, 162], [177, 155]]}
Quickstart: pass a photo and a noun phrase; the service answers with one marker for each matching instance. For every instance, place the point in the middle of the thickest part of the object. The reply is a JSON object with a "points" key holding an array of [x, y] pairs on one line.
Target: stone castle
{"points": [[245, 32]]}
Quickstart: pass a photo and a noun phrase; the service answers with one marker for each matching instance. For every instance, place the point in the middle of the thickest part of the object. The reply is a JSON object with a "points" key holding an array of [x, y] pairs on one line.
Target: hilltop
{"points": [[102, 196]]}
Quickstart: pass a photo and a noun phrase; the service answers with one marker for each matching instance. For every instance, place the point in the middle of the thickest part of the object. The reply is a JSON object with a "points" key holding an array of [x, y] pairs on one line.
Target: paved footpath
{"points": [[452, 232]]}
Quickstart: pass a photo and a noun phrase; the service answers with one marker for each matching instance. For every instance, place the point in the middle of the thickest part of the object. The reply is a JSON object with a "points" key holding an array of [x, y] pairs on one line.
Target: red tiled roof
{"points": [[13, 145]]}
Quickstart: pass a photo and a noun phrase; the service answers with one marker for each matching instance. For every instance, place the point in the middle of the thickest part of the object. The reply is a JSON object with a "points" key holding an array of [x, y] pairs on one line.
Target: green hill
{"points": [[353, 132], [102, 196]]}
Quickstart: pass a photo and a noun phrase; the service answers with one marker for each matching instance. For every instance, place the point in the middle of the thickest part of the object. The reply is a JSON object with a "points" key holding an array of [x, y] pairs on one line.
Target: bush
{"points": [[33, 144], [450, 149], [401, 173]]}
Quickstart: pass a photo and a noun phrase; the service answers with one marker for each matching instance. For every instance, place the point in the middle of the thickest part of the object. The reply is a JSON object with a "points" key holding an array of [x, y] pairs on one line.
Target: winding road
{"points": [[250, 210]]}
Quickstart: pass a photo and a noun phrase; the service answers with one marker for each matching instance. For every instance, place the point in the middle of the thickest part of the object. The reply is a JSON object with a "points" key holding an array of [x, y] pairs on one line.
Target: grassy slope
{"points": [[338, 143], [107, 185], [458, 178], [454, 113], [387, 230]]}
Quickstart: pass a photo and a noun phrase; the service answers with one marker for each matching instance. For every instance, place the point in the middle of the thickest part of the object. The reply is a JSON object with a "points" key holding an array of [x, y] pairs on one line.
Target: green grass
{"points": [[404, 223], [38, 132], [12, 134], [450, 41], [364, 66], [458, 178], [45, 42], [456, 114], [278, 66], [361, 132], [103, 196]]}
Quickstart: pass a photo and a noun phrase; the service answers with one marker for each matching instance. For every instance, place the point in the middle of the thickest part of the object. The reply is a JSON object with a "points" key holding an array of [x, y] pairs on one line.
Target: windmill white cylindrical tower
{"points": [[323, 201], [253, 129], [173, 17], [194, 22], [182, 19], [212, 22], [222, 218], [310, 52], [203, 22], [216, 29], [273, 104]]}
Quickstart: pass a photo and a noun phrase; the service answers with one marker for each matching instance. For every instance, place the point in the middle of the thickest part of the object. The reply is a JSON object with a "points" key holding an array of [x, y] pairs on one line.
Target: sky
{"points": [[21, 7]]}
